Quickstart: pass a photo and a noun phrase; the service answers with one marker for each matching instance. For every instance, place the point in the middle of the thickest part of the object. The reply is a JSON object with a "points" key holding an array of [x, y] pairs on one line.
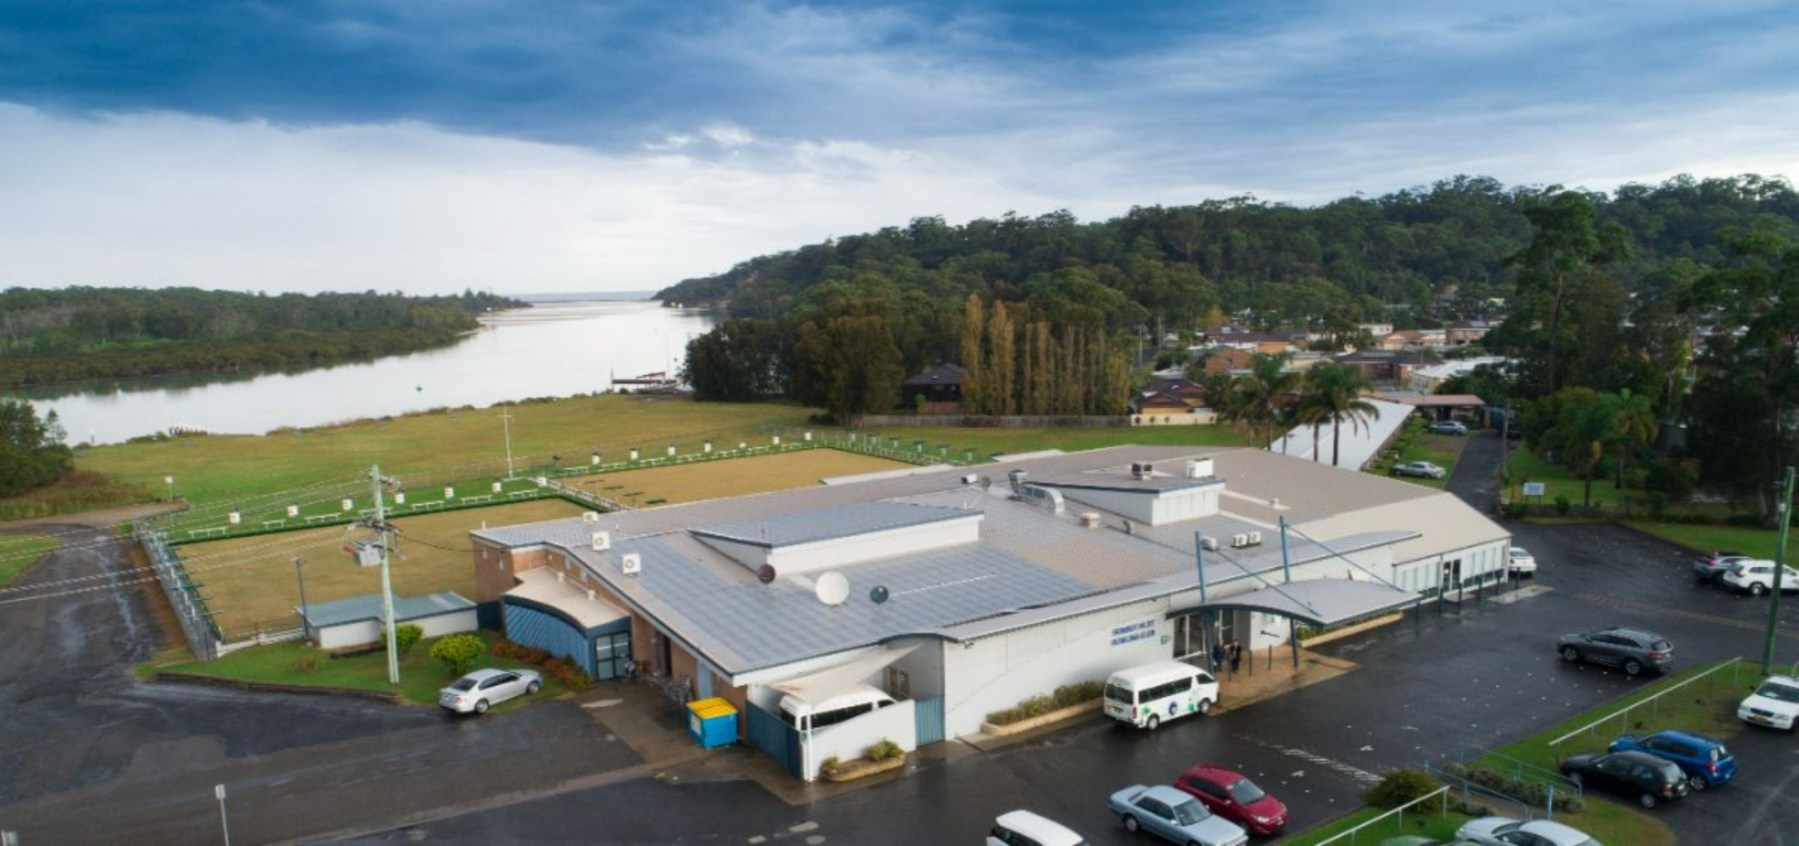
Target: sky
{"points": [[431, 146]]}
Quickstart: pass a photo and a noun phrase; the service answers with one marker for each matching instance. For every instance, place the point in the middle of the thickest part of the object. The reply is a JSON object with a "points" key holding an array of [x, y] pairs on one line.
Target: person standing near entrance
{"points": [[1236, 653], [1217, 657]]}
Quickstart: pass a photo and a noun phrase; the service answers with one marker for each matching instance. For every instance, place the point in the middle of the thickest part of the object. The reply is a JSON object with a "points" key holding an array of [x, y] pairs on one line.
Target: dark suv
{"points": [[1650, 779], [1632, 650]]}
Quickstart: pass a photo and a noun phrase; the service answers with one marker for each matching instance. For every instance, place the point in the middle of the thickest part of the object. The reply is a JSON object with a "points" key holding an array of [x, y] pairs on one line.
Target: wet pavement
{"points": [[1436, 685]]}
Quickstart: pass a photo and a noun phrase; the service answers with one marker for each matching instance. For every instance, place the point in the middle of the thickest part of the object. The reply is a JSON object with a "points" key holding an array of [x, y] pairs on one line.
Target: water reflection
{"points": [[553, 350]]}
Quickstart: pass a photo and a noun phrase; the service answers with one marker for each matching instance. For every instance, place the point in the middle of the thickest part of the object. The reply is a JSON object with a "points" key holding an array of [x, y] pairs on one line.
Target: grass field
{"points": [[1559, 481], [18, 552], [250, 582], [1428, 819], [1441, 450], [428, 449], [296, 663], [1757, 542]]}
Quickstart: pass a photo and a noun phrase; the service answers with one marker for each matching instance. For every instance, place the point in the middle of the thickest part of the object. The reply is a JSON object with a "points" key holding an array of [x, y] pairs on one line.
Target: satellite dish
{"points": [[765, 574], [877, 594], [832, 588]]}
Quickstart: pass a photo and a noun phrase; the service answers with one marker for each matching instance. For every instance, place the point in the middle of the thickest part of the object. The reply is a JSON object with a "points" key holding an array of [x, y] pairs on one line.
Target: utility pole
{"points": [[385, 533], [305, 616], [506, 422], [218, 792], [1781, 512]]}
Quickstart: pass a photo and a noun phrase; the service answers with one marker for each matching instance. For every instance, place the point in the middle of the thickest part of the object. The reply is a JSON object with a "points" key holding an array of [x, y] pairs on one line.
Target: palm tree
{"points": [[1259, 396], [1335, 393], [1632, 427]]}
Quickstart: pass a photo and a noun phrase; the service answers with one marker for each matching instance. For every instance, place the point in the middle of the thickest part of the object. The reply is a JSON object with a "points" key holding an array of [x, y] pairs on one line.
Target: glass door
{"points": [[610, 652]]}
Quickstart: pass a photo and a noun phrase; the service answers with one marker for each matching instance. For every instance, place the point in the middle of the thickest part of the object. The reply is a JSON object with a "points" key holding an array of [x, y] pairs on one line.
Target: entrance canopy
{"points": [[1317, 602], [826, 683]]}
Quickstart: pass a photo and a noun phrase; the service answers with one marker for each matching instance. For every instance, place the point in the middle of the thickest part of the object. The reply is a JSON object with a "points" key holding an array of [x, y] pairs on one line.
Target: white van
{"points": [[809, 716], [1146, 695]]}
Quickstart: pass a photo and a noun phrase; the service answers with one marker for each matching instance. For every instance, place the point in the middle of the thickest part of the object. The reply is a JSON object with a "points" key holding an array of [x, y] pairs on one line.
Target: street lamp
{"points": [[1781, 510]]}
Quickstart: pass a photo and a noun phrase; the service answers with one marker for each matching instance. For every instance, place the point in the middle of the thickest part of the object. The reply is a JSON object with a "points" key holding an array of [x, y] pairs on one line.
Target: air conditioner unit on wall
{"points": [[631, 564]]}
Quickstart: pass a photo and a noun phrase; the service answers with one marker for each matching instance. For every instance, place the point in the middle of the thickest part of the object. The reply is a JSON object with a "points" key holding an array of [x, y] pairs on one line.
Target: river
{"points": [[557, 348]]}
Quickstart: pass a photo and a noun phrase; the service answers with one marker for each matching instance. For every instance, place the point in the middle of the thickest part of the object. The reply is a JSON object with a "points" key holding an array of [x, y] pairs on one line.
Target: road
{"points": [[82, 734]]}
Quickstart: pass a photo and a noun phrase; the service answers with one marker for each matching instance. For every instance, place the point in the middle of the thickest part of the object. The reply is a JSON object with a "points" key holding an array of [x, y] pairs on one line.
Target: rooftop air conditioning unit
{"points": [[590, 516], [1209, 542], [602, 541], [1239, 540], [631, 564], [1255, 538]]}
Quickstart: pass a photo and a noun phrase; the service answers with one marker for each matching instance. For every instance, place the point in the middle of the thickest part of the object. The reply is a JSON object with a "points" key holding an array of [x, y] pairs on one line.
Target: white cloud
{"points": [[726, 135]]}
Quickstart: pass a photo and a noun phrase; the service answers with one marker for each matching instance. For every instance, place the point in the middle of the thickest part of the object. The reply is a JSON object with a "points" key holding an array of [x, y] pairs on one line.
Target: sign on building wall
{"points": [[1133, 632]]}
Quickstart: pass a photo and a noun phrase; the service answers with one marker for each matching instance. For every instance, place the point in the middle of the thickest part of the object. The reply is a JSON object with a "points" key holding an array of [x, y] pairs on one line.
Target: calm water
{"points": [[556, 349]]}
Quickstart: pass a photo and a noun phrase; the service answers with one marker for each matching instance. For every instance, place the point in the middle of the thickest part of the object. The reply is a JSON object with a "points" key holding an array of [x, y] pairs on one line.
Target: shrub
{"points": [[405, 636], [458, 652], [1516, 509], [1530, 792], [830, 765], [1066, 696], [532, 655], [1069, 695], [883, 751], [1400, 787], [504, 648], [1562, 505]]}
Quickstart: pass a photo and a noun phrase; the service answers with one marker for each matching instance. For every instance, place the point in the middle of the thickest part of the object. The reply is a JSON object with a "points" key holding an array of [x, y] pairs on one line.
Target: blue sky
{"points": [[436, 145]]}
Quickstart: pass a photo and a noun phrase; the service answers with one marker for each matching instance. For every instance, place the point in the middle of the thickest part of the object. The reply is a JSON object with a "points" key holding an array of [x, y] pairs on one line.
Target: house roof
{"points": [[1029, 564], [942, 374], [1434, 400]]}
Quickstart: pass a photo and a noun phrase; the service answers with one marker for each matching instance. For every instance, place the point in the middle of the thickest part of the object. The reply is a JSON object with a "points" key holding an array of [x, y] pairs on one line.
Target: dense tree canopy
{"points": [[67, 334], [32, 453]]}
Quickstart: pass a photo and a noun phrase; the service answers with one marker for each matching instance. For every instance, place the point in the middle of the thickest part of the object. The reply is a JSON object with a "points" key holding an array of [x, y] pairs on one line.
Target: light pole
{"points": [[1781, 510], [506, 423], [170, 481], [218, 790]]}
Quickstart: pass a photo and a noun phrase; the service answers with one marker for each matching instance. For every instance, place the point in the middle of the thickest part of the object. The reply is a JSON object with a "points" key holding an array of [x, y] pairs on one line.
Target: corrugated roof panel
{"points": [[830, 523]]}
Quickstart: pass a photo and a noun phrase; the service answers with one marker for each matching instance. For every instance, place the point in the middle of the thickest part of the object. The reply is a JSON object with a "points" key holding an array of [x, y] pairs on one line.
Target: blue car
{"points": [[1705, 761]]}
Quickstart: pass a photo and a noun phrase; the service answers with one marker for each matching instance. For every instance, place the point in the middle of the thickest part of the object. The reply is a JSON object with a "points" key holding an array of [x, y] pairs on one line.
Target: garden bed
{"points": [[862, 768], [1024, 725]]}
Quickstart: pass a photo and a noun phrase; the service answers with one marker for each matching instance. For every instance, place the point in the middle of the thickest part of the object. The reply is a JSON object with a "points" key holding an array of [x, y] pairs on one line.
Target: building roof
{"points": [[942, 374], [567, 596], [1434, 400], [368, 607], [1029, 565], [830, 523]]}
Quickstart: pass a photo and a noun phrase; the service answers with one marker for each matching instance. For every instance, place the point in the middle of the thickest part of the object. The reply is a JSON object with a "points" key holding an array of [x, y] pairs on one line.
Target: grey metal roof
{"points": [[1320, 602], [744, 626], [1158, 483], [828, 523], [368, 607]]}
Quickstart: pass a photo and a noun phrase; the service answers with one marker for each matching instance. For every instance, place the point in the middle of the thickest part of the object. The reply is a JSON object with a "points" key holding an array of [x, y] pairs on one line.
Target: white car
{"points": [[1019, 828], [1505, 831], [1755, 576], [482, 689], [1521, 562], [1419, 468], [1775, 704]]}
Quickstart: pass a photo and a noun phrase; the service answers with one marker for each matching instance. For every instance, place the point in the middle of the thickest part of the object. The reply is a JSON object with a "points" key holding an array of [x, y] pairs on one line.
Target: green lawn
{"points": [[18, 552], [985, 441], [1558, 481], [296, 663], [1441, 450], [1428, 819], [1757, 542]]}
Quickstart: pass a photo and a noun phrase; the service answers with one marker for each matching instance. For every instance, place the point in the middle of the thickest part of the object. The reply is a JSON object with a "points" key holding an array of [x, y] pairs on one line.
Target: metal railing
{"points": [[183, 593], [1654, 702], [1441, 794]]}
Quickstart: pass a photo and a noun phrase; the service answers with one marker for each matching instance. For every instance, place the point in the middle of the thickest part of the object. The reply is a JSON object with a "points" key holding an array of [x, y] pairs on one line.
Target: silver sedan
{"points": [[482, 689]]}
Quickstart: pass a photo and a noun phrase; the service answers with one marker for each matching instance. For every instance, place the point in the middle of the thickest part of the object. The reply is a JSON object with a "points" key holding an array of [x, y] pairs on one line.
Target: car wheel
{"points": [[480, 706], [1697, 782], [1205, 706], [1130, 824], [1647, 800], [533, 687], [1570, 653], [1153, 722], [1633, 667], [1756, 589]]}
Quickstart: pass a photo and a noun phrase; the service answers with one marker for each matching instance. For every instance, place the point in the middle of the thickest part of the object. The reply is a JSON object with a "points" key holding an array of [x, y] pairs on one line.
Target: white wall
{"points": [[896, 722], [1188, 504], [997, 672], [868, 546], [439, 625], [349, 634]]}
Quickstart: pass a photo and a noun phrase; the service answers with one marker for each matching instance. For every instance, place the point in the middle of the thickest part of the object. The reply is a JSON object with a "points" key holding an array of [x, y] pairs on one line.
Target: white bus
{"points": [[1146, 695]]}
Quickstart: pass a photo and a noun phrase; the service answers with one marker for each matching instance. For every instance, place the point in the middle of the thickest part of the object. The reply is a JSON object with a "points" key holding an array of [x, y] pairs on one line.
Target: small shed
{"points": [[357, 620]]}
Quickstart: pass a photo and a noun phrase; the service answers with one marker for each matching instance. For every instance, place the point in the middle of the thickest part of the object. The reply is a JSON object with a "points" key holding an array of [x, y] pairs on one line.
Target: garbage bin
{"points": [[712, 722]]}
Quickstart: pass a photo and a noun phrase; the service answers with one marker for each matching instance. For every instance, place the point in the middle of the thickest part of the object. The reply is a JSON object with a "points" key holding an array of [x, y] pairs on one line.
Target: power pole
{"points": [[1781, 510], [385, 533]]}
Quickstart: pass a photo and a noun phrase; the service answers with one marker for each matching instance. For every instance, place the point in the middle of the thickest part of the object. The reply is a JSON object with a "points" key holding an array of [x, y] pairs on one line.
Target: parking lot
{"points": [[1465, 677]]}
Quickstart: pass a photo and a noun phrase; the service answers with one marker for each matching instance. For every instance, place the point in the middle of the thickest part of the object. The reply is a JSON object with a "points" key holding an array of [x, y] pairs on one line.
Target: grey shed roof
{"points": [[368, 607], [1320, 602], [829, 523]]}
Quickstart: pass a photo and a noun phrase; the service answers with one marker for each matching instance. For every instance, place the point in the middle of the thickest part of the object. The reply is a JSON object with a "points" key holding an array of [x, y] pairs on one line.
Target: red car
{"points": [[1234, 797]]}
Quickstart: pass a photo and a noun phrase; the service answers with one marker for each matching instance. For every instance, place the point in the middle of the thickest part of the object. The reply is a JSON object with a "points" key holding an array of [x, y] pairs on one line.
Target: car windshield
{"points": [[1776, 690], [464, 683], [1119, 693], [1190, 812], [1246, 792], [1519, 552]]}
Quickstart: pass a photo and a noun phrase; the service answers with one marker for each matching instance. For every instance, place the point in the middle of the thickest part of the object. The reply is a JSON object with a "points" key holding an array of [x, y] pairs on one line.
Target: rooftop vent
{"points": [[1209, 542], [1142, 469], [590, 517], [1090, 519], [1017, 477], [1199, 468], [630, 564], [602, 541]]}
